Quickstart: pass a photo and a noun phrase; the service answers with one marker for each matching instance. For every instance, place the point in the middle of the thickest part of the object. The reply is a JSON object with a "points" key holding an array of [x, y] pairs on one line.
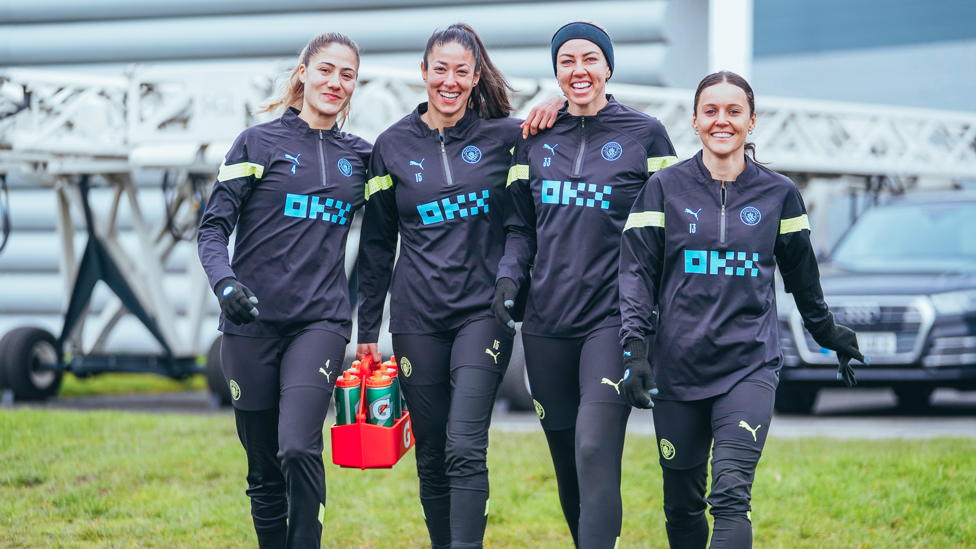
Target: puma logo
{"points": [[327, 374], [616, 385], [688, 210], [420, 164], [293, 159], [493, 355], [552, 148], [745, 426]]}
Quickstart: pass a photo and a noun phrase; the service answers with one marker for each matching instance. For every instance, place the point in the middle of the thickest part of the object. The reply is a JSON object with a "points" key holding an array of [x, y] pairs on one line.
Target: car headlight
{"points": [[955, 303]]}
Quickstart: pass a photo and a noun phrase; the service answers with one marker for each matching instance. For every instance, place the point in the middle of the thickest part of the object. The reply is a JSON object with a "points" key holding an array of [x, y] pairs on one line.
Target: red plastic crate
{"points": [[369, 446]]}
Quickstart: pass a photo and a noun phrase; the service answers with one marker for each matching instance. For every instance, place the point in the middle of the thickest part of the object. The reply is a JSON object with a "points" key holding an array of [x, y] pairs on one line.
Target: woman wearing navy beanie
{"points": [[570, 191]]}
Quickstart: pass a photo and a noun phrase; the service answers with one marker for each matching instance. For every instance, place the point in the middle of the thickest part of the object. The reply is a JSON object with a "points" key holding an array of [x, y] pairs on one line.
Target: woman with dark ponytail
{"points": [[701, 245], [437, 178], [289, 187]]}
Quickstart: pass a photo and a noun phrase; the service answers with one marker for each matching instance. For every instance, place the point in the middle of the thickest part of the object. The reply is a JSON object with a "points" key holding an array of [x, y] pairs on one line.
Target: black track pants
{"points": [[575, 383], [737, 422], [450, 387], [282, 389]]}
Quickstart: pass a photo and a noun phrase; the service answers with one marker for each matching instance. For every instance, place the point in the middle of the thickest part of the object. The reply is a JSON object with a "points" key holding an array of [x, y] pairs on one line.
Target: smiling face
{"points": [[582, 72], [723, 119], [450, 77], [330, 79]]}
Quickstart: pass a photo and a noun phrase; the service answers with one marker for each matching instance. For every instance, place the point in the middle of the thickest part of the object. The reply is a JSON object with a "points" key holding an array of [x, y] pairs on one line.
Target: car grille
{"points": [[790, 355], [951, 351], [909, 318]]}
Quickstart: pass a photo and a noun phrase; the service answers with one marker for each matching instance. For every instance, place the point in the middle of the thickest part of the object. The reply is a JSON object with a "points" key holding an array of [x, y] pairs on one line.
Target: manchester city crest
{"points": [[345, 167], [612, 151], [750, 216], [471, 154]]}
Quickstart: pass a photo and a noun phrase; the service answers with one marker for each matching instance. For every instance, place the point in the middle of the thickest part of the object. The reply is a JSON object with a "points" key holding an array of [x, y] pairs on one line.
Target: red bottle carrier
{"points": [[369, 446]]}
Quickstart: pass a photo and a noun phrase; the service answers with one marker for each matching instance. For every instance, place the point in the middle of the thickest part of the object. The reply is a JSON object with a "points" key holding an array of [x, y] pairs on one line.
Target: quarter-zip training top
{"points": [[291, 192], [443, 195], [704, 252], [570, 190]]}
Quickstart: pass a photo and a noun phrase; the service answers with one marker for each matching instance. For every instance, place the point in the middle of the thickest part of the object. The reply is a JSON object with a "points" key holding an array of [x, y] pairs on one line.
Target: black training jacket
{"points": [[571, 188], [291, 192], [707, 258], [444, 198]]}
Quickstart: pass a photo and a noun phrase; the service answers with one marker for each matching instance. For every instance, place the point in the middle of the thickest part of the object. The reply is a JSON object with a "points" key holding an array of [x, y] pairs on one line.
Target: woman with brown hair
{"points": [[702, 244], [290, 188], [437, 178]]}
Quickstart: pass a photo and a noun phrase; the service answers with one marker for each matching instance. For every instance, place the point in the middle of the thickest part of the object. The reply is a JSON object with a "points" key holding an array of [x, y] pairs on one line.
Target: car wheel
{"points": [[215, 375], [795, 399], [515, 384], [23, 351], [913, 398]]}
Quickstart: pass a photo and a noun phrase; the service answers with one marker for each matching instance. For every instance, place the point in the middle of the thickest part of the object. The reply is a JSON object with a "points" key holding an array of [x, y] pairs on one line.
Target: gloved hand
{"points": [[638, 384], [505, 292], [237, 303], [843, 340]]}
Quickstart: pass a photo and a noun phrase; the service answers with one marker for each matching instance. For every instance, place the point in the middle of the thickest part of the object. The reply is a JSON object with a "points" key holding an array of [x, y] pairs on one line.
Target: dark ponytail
{"points": [[490, 97], [735, 80]]}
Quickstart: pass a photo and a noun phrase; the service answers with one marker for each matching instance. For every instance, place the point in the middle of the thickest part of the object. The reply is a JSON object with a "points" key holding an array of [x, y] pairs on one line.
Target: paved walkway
{"points": [[862, 414]]}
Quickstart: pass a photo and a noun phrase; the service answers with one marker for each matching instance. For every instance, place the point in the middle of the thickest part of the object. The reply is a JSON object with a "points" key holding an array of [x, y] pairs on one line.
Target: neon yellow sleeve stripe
{"points": [[794, 224], [518, 171], [511, 151], [377, 184], [660, 162], [243, 169], [644, 219]]}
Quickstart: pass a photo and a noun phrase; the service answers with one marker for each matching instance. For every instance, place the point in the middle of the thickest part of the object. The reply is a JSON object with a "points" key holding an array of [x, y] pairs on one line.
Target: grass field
{"points": [[109, 479], [119, 384]]}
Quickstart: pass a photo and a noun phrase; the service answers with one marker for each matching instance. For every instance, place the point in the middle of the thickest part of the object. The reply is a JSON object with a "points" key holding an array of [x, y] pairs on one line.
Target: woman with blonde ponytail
{"points": [[290, 188]]}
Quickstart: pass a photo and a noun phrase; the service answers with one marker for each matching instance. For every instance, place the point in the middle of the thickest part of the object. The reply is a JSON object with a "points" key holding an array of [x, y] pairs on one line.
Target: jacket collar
{"points": [[460, 129], [750, 173], [290, 118], [605, 114]]}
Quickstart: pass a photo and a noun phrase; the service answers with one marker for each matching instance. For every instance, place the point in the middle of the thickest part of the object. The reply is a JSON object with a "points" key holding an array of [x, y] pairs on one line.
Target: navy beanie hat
{"points": [[586, 31]]}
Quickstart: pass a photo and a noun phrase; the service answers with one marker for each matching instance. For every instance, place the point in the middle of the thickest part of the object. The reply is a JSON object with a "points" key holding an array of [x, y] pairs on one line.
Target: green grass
{"points": [[109, 479], [123, 384]]}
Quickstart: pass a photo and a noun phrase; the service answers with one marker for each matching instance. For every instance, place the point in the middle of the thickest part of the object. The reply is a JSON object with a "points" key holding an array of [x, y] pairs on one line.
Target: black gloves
{"points": [[505, 292], [237, 303], [638, 382], [843, 340]]}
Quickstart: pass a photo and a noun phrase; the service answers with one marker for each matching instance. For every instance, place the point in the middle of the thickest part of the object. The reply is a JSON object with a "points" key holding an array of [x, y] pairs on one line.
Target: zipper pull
{"points": [[447, 164], [721, 238], [320, 135]]}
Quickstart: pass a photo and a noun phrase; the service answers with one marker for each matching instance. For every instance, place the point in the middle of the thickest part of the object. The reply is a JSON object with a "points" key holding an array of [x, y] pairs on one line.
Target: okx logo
{"points": [[567, 192], [297, 205], [464, 206], [713, 263]]}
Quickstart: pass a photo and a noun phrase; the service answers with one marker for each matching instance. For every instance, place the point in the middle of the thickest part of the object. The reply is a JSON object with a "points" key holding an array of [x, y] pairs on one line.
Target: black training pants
{"points": [[737, 423], [281, 389], [576, 387], [449, 380]]}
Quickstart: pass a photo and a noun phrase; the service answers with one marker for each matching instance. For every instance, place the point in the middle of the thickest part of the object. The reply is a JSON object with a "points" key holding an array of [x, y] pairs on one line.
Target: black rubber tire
{"points": [[795, 399], [913, 398], [215, 376], [514, 388], [21, 350]]}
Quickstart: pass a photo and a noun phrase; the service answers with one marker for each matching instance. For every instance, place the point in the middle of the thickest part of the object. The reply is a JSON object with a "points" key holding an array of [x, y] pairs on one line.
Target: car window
{"points": [[916, 237]]}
